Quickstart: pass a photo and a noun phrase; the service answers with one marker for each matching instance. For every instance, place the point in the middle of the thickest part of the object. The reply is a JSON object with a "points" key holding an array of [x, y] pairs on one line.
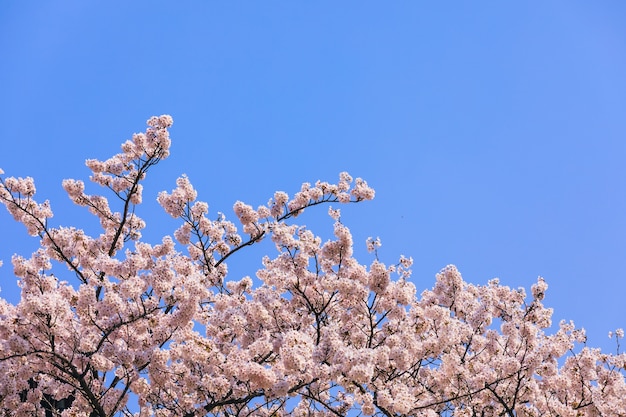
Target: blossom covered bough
{"points": [[142, 329]]}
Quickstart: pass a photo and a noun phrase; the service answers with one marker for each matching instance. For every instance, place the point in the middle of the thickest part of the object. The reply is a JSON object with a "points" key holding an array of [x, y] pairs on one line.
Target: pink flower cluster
{"points": [[17, 194], [130, 328]]}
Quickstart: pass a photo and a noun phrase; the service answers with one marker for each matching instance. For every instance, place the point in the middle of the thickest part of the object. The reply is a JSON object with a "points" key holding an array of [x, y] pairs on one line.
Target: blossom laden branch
{"points": [[145, 330]]}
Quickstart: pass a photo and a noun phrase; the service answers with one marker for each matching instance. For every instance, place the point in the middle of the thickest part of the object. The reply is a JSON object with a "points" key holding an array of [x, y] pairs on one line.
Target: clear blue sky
{"points": [[493, 132]]}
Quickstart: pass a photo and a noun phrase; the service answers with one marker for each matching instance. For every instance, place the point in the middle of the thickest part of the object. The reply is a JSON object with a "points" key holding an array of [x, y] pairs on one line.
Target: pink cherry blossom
{"points": [[109, 325]]}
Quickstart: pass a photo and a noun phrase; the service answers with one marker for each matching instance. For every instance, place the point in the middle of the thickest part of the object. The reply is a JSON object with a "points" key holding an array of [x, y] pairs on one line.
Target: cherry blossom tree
{"points": [[124, 327]]}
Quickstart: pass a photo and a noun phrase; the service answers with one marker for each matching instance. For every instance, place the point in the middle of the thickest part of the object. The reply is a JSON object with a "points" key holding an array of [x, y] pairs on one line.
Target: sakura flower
{"points": [[134, 328]]}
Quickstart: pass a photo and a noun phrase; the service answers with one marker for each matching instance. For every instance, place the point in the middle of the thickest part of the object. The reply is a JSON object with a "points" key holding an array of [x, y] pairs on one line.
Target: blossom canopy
{"points": [[110, 325]]}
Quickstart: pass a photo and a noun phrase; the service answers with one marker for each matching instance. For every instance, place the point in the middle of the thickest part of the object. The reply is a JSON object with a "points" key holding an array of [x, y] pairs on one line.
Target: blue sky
{"points": [[493, 132]]}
